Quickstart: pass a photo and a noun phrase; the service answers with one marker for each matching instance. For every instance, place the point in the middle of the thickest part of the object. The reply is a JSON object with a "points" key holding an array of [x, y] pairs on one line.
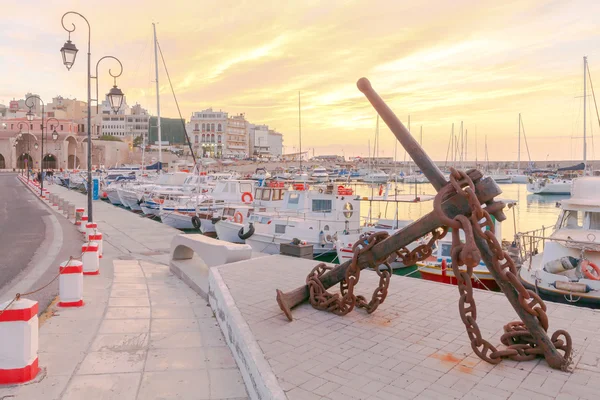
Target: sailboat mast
{"points": [[584, 110], [157, 97], [453, 147], [300, 132], [466, 145], [519, 148]]}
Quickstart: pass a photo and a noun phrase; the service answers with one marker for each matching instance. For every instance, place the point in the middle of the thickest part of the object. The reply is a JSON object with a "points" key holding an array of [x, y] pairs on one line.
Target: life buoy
{"points": [[588, 274], [246, 235], [246, 195], [196, 222], [238, 217]]}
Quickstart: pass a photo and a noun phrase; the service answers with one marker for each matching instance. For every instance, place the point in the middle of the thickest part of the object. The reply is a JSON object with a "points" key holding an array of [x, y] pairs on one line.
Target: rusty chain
{"points": [[345, 301], [520, 344]]}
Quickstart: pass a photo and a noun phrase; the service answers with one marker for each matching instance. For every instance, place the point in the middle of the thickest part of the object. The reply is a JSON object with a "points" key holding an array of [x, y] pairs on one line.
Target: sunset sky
{"points": [[442, 61]]}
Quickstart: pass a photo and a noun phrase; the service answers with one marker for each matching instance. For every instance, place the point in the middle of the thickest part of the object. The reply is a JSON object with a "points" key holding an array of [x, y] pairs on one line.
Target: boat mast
{"points": [[157, 98], [300, 132], [466, 145], [584, 110], [519, 148]]}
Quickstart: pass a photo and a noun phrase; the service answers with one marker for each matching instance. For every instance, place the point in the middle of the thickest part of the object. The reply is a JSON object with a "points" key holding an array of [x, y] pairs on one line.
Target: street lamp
{"points": [[115, 95]]}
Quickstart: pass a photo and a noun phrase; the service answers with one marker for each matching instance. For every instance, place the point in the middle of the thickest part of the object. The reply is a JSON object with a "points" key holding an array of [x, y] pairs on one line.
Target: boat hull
{"points": [[177, 220], [550, 188], [228, 231], [433, 275], [269, 244]]}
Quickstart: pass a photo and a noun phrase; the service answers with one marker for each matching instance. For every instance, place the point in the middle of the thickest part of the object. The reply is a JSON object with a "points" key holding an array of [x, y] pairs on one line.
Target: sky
{"points": [[441, 62]]}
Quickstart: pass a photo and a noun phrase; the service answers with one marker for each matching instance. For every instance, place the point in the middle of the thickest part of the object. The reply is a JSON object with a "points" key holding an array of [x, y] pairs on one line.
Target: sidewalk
{"points": [[142, 334]]}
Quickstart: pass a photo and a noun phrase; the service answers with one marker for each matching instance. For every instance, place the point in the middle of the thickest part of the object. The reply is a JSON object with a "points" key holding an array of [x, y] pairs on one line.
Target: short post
{"points": [[71, 211], [53, 200], [91, 263], [83, 223], [65, 209], [78, 214], [61, 203], [96, 236], [19, 344], [70, 284], [90, 228]]}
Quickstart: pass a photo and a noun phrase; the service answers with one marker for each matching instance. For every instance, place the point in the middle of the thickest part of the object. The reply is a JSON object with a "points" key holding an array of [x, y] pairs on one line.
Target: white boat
{"points": [[416, 178], [518, 177], [568, 267], [234, 227], [261, 174], [312, 216], [499, 177], [320, 174], [549, 186], [376, 176]]}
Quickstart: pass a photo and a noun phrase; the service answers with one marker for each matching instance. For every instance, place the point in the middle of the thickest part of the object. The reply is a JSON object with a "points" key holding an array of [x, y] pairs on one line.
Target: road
{"points": [[22, 229]]}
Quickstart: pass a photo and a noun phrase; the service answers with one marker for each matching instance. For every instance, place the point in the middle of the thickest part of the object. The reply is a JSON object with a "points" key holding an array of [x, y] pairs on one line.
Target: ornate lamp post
{"points": [[115, 95]]}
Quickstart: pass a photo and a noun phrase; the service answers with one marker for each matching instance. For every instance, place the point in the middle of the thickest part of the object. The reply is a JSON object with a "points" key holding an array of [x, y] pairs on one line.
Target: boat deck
{"points": [[413, 346]]}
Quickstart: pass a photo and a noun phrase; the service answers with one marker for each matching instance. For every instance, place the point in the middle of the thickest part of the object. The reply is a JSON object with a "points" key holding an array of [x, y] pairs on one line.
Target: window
{"points": [[219, 138], [258, 193], [41, 126], [277, 194], [279, 228], [196, 127], [321, 206], [212, 127], [61, 127], [326, 228], [572, 219], [11, 126], [219, 128], [348, 210], [294, 198], [229, 212], [195, 138], [31, 126], [266, 194], [203, 137], [594, 218], [246, 187], [446, 249], [212, 138]]}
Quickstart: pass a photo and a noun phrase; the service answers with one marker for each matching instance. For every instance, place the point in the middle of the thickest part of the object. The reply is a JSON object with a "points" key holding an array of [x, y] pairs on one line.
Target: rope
{"points": [[18, 295]]}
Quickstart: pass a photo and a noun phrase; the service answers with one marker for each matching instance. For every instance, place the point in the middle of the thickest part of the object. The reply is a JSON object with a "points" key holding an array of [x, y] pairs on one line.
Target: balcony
{"points": [[235, 146]]}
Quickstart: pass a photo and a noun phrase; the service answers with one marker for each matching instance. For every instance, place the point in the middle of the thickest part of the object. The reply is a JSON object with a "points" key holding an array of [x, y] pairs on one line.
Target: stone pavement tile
{"points": [[325, 389], [124, 326], [119, 342], [179, 301], [129, 286], [56, 364], [174, 325], [127, 312], [180, 385], [301, 394], [110, 362], [128, 302], [64, 324], [58, 342], [173, 312], [129, 293], [48, 388], [219, 357], [129, 279], [175, 340], [226, 383], [176, 359], [105, 387]]}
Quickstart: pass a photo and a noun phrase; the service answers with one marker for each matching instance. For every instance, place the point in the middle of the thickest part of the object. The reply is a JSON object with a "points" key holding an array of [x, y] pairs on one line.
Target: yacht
{"points": [[567, 269], [376, 176], [549, 185], [320, 174]]}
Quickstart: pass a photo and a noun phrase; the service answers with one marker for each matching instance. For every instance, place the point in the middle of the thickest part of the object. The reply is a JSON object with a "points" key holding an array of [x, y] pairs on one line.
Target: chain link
{"points": [[520, 344], [345, 301]]}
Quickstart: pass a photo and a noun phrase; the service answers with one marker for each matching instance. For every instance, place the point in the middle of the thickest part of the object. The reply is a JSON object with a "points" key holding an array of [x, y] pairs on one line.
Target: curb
{"points": [[258, 376]]}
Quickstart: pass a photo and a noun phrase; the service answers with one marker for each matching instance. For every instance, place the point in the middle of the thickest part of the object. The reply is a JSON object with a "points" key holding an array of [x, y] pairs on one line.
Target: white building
{"points": [[214, 134], [129, 121], [265, 142]]}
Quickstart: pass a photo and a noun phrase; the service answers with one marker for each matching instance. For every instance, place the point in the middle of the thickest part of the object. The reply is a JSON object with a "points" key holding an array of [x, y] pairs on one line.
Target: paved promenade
{"points": [[142, 334]]}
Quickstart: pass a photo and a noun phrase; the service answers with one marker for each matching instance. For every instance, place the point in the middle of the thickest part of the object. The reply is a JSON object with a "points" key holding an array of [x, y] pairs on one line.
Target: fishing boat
{"points": [[311, 216], [438, 267], [261, 174], [565, 267]]}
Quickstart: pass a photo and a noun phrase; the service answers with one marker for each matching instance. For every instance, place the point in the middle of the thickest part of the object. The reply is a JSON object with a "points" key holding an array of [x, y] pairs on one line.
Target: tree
{"points": [[137, 141]]}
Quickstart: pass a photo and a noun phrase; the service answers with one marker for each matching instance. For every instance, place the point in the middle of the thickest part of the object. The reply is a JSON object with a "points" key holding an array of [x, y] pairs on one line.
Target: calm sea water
{"points": [[531, 211]]}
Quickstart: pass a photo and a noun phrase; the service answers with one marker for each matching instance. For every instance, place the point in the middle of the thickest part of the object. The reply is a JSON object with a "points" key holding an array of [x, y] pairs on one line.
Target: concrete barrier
{"points": [[71, 211], [193, 255], [96, 237], [70, 284], [61, 203], [82, 224], [78, 215], [91, 263], [65, 210], [19, 345]]}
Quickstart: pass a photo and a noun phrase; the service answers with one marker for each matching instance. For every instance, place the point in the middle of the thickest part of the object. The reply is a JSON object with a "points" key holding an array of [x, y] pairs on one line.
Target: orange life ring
{"points": [[238, 218], [588, 274], [245, 195]]}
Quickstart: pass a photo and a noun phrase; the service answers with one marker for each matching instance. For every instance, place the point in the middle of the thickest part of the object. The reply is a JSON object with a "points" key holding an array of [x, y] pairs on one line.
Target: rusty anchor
{"points": [[457, 204]]}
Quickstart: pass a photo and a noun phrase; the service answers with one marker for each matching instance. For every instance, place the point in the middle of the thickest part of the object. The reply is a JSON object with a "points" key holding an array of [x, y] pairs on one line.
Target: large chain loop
{"points": [[520, 344]]}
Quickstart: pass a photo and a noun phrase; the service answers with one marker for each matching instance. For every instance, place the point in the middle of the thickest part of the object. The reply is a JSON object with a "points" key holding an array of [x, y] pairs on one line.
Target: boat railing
{"points": [[532, 242]]}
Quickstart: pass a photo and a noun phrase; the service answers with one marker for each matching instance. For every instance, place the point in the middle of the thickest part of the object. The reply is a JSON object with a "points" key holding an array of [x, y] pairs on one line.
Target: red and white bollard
{"points": [[90, 228], [19, 344], [78, 214], [70, 284], [96, 237], [83, 223], [91, 262]]}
